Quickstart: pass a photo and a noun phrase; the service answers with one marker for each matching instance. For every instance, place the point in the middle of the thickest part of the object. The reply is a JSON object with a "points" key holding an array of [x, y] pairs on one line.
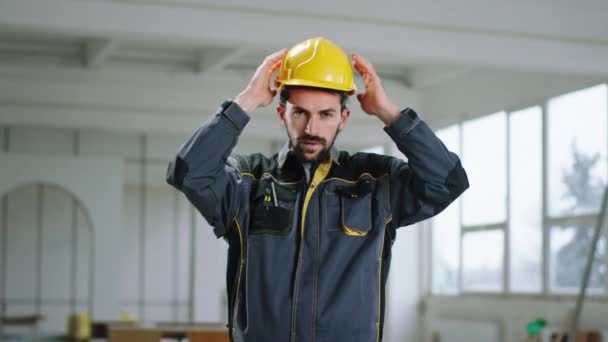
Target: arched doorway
{"points": [[47, 247]]}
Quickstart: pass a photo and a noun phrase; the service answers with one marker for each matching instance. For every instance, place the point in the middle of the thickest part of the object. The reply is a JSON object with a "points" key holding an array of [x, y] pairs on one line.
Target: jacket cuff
{"points": [[235, 114], [403, 125]]}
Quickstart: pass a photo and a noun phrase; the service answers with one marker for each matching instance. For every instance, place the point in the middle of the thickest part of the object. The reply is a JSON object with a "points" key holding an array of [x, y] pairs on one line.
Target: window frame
{"points": [[547, 222]]}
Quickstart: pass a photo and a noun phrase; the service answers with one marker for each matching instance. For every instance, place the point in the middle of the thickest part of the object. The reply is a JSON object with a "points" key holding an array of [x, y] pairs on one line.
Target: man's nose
{"points": [[312, 126]]}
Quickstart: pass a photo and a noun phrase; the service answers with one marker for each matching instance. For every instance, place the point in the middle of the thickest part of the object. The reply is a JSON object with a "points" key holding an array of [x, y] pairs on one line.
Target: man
{"points": [[310, 229]]}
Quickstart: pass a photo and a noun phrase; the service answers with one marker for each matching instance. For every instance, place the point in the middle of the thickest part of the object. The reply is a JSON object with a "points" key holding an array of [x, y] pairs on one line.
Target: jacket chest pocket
{"points": [[349, 208], [272, 208]]}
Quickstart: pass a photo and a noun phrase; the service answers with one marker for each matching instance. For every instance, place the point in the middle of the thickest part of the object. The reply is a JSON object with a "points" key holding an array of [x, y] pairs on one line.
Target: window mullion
{"points": [[506, 268], [606, 230], [483, 227], [544, 226], [589, 220], [460, 216]]}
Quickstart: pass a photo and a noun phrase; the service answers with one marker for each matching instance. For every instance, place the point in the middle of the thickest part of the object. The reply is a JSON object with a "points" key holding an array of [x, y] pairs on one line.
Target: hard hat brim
{"points": [[315, 84]]}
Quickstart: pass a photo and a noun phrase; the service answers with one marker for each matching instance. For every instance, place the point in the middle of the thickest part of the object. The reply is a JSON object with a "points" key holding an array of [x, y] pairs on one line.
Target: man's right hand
{"points": [[258, 93]]}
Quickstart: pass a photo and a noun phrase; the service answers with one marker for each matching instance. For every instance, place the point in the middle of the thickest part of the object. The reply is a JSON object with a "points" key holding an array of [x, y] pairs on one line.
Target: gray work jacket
{"points": [[308, 261]]}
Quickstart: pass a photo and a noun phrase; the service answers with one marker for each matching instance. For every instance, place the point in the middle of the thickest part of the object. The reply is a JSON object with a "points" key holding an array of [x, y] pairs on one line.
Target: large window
{"points": [[483, 153], [484, 204], [446, 232], [482, 255], [537, 178], [576, 159], [525, 200], [577, 152]]}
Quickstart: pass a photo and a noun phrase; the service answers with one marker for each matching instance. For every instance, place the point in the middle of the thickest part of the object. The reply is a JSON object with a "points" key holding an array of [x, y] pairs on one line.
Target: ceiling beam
{"points": [[108, 91], [428, 77], [266, 127], [97, 51], [216, 59], [388, 41]]}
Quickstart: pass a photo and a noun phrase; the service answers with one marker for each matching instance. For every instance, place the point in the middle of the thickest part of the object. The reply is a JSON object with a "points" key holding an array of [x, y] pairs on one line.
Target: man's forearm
{"points": [[389, 114], [247, 102]]}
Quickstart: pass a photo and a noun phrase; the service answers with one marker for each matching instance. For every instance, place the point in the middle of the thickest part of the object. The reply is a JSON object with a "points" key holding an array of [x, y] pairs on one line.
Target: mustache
{"points": [[311, 138]]}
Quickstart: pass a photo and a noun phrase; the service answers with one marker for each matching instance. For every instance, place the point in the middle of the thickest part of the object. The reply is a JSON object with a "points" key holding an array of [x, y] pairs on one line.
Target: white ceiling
{"points": [[142, 63]]}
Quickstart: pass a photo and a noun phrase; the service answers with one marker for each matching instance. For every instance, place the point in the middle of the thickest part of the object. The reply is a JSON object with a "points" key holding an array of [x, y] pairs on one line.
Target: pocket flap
{"points": [[271, 220], [283, 193], [360, 189], [268, 216], [356, 212]]}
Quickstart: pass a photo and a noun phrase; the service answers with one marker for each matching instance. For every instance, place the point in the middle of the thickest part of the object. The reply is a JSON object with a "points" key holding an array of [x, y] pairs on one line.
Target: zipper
{"points": [[238, 282], [380, 257], [316, 276], [317, 177], [295, 286]]}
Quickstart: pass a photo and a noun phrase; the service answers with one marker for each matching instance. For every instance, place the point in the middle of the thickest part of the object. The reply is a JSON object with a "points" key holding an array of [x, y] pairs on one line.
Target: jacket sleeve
{"points": [[430, 180], [204, 171]]}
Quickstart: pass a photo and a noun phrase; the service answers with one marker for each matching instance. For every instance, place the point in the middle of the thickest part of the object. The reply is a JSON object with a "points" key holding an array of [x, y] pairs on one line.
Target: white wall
{"points": [[154, 223], [97, 185], [210, 276], [403, 290], [44, 221]]}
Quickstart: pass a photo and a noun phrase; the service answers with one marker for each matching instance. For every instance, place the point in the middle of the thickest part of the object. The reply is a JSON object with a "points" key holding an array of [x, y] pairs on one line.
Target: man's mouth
{"points": [[311, 143]]}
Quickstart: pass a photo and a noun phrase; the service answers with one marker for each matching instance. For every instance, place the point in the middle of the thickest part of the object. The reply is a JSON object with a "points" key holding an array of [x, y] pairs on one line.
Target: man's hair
{"points": [[284, 95]]}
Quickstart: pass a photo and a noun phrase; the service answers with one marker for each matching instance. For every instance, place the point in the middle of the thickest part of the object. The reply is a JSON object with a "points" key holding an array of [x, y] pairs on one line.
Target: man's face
{"points": [[312, 119]]}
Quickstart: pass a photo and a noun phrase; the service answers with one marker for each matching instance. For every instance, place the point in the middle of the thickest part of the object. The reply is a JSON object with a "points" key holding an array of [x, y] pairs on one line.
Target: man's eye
{"points": [[326, 114]]}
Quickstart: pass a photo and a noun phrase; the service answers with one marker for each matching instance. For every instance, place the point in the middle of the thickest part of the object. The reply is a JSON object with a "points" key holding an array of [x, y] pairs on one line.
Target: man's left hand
{"points": [[374, 101]]}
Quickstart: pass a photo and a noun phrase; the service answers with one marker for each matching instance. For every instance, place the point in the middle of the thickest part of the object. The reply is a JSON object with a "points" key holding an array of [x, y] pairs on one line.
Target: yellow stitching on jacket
{"points": [[352, 231], [355, 181], [238, 284], [271, 176]]}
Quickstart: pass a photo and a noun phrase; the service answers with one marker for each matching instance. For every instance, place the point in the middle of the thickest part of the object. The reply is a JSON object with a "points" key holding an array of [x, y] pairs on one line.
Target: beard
{"points": [[323, 154]]}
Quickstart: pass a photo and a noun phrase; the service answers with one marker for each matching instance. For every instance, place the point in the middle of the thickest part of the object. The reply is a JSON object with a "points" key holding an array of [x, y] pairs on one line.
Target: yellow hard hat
{"points": [[319, 63]]}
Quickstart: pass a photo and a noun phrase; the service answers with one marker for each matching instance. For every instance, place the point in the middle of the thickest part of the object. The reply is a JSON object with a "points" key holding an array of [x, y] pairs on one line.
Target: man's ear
{"points": [[343, 117], [281, 114]]}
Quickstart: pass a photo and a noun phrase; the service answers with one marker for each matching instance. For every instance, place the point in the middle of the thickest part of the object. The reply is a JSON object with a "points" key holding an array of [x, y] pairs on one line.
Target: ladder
{"points": [[599, 228]]}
